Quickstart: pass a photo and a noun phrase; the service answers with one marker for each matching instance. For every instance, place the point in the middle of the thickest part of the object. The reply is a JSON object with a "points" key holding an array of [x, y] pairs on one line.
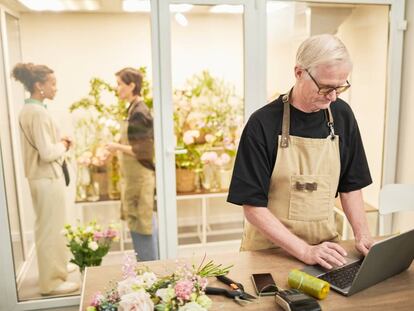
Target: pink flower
{"points": [[203, 283], [209, 157], [97, 298], [110, 233], [129, 266], [183, 289], [97, 235]]}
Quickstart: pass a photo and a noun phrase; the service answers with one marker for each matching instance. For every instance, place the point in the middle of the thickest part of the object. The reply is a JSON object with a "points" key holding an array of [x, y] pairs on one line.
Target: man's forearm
{"points": [[353, 206], [275, 231], [126, 149]]}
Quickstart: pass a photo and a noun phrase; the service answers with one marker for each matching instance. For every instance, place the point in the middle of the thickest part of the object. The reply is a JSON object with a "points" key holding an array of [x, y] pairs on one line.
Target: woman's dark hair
{"points": [[130, 75], [29, 74]]}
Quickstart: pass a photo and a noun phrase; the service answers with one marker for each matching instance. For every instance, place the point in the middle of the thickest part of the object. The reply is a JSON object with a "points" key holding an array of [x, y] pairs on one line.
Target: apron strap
{"points": [[284, 143], [330, 123]]}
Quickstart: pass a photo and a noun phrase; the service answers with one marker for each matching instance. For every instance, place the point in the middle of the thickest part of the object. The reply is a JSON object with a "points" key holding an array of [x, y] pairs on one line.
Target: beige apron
{"points": [[137, 190], [302, 187]]}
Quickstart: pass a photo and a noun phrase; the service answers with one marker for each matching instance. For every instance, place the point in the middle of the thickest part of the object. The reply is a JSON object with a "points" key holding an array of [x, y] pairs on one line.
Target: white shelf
{"points": [[203, 228]]}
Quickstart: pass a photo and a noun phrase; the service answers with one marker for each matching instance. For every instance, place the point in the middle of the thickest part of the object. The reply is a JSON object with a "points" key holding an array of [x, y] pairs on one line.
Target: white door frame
{"points": [[255, 96]]}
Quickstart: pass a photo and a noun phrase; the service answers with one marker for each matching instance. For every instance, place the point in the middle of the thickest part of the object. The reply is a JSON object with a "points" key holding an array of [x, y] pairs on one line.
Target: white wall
{"points": [[365, 33], [210, 41], [81, 46], [405, 167]]}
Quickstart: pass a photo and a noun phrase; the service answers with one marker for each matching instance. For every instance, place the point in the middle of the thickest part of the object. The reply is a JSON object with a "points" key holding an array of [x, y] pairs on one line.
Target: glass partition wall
{"points": [[89, 108], [207, 56]]}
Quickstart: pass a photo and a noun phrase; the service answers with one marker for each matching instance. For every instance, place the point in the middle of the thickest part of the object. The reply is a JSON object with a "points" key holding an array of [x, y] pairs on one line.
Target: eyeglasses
{"points": [[326, 90]]}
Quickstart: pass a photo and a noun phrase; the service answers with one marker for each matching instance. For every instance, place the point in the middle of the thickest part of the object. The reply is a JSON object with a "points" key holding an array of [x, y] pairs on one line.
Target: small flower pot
{"points": [[185, 180]]}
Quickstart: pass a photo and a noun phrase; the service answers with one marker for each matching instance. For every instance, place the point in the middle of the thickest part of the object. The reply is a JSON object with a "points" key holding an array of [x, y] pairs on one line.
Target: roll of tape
{"points": [[308, 284]]}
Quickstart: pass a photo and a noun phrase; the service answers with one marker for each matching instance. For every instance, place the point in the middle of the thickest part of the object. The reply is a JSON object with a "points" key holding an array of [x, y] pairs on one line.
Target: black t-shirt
{"points": [[256, 155]]}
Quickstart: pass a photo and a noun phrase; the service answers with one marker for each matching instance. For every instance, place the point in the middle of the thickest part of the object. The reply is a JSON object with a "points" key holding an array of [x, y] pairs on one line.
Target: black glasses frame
{"points": [[325, 90]]}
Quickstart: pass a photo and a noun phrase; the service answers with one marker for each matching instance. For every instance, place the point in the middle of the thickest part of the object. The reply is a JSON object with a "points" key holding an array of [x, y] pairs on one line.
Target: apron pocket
{"points": [[309, 197]]}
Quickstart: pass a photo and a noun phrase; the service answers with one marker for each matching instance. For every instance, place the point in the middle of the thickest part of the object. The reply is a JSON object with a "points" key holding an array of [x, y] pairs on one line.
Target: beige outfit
{"points": [[137, 193], [302, 188], [41, 149]]}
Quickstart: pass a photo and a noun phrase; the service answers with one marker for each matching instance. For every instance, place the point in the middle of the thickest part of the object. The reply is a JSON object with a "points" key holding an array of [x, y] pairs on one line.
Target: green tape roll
{"points": [[308, 284]]}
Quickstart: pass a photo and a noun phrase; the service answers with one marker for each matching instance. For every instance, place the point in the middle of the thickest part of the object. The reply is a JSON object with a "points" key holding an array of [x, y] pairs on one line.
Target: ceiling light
{"points": [[226, 8], [90, 5], [44, 5], [181, 19], [180, 8], [136, 5]]}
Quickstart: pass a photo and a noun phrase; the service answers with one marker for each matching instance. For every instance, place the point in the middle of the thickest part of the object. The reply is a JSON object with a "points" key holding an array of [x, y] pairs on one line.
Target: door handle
{"points": [[177, 151]]}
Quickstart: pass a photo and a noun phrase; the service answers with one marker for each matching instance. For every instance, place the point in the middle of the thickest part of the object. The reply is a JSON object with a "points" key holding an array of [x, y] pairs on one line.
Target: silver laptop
{"points": [[386, 258]]}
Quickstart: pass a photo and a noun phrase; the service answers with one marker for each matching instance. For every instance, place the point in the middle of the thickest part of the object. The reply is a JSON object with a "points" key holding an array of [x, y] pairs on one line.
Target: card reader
{"points": [[295, 300]]}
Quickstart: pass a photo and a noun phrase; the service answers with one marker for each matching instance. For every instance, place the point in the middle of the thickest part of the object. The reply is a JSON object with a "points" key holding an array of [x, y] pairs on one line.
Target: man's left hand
{"points": [[363, 244]]}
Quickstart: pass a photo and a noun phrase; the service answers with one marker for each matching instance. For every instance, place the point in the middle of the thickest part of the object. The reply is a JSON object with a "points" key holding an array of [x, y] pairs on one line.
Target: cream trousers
{"points": [[48, 197]]}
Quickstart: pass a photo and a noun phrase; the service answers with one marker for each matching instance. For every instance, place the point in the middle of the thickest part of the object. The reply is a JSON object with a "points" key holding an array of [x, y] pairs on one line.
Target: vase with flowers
{"points": [[91, 174], [89, 244], [208, 118]]}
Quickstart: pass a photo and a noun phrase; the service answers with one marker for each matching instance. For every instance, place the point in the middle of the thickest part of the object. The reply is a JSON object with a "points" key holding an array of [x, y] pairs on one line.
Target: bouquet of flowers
{"points": [[208, 115], [142, 290], [89, 244]]}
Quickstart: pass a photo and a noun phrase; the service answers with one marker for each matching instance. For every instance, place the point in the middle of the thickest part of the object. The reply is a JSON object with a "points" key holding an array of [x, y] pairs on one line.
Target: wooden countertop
{"points": [[395, 293]]}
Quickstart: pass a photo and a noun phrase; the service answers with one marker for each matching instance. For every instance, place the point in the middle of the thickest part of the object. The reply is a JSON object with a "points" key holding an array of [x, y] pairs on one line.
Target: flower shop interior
{"points": [[207, 65]]}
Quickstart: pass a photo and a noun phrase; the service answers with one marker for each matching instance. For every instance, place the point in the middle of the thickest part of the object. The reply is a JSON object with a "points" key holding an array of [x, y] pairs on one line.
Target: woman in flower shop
{"points": [[136, 150], [43, 154]]}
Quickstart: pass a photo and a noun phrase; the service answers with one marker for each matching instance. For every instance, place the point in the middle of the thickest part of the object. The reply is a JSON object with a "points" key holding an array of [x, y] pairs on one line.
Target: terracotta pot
{"points": [[185, 180]]}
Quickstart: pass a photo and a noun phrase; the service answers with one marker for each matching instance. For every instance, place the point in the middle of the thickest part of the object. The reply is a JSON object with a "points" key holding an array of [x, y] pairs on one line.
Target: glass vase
{"points": [[92, 191], [210, 179], [83, 179]]}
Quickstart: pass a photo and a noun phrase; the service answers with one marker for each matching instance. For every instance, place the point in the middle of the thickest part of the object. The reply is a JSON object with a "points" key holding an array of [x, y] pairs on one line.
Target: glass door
{"points": [[209, 56], [12, 37]]}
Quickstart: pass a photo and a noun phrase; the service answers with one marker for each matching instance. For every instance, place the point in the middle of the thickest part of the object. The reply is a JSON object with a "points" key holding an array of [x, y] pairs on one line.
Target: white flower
{"points": [[93, 245], [125, 286], [166, 294], [223, 159], [188, 138], [136, 282], [78, 240], [209, 138], [136, 301], [88, 229], [149, 279], [192, 306]]}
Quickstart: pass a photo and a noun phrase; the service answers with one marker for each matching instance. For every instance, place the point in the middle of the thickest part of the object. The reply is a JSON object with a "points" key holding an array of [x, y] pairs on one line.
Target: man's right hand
{"points": [[326, 254]]}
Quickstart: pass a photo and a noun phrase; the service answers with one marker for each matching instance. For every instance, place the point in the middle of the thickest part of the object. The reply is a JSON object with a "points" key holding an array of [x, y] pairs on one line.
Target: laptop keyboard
{"points": [[342, 277]]}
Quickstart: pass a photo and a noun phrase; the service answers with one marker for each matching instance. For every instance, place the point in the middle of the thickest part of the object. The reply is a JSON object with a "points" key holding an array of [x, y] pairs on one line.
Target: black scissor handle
{"points": [[222, 292], [230, 282]]}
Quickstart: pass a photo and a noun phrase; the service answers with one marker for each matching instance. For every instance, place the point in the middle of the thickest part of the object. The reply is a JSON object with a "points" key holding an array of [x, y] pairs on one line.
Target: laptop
{"points": [[386, 258]]}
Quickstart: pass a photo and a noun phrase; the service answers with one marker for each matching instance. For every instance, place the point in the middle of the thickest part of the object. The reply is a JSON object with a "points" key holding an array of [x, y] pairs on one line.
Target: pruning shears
{"points": [[236, 292]]}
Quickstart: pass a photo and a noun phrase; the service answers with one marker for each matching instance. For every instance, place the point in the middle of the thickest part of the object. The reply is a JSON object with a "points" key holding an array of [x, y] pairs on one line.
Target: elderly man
{"points": [[296, 154]]}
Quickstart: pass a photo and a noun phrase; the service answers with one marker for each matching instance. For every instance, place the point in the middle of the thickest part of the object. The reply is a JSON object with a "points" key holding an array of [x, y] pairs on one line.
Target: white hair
{"points": [[322, 49]]}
